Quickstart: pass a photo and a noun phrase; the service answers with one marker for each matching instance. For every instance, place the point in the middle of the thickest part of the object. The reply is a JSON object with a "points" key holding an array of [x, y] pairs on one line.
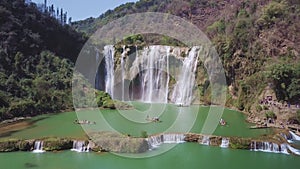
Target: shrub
{"points": [[273, 12], [298, 115], [144, 134], [217, 27], [259, 108], [270, 114]]}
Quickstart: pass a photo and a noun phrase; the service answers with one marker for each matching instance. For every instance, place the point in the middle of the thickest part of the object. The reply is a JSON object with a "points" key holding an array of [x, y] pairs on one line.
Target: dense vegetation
{"points": [[259, 46], [36, 54]]}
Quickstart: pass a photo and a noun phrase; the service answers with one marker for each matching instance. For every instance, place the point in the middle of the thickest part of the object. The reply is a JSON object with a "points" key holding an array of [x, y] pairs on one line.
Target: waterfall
{"points": [[38, 147], [97, 78], [109, 53], [137, 67], [155, 141], [183, 91], [205, 140], [168, 76], [154, 74], [80, 146], [149, 73], [294, 136], [225, 143], [123, 71]]}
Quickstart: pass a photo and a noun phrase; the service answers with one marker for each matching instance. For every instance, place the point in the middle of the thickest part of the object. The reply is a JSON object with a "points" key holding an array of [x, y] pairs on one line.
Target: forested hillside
{"points": [[36, 60]]}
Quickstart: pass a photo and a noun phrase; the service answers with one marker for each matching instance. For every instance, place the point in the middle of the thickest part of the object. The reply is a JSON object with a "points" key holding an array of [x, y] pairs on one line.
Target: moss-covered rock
{"points": [[115, 142], [25, 145], [190, 137], [56, 144], [9, 145], [109, 104], [104, 100], [215, 140], [240, 143]]}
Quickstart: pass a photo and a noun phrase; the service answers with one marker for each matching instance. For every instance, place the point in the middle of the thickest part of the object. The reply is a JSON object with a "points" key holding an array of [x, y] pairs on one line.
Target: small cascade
{"points": [[80, 146], [288, 137], [183, 91], [205, 140], [225, 143], [38, 147], [173, 138], [155, 141], [269, 147], [293, 150], [109, 53], [284, 149], [294, 136]]}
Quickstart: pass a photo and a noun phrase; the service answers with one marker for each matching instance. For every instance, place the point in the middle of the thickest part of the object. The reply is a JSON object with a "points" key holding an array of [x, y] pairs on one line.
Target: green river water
{"points": [[185, 155]]}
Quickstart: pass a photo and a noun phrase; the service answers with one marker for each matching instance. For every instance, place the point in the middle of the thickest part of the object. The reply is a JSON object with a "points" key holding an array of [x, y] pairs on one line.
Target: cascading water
{"points": [[183, 91], [123, 72], [97, 78], [155, 141], [288, 137], [293, 150], [168, 76], [80, 146], [154, 74], [205, 140], [225, 143], [38, 147], [274, 148], [294, 136], [269, 147], [109, 53], [173, 138], [148, 71], [284, 149]]}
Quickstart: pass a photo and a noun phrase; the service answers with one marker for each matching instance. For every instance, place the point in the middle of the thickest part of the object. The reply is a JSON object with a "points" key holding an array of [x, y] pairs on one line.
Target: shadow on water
{"points": [[28, 125], [30, 165]]}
